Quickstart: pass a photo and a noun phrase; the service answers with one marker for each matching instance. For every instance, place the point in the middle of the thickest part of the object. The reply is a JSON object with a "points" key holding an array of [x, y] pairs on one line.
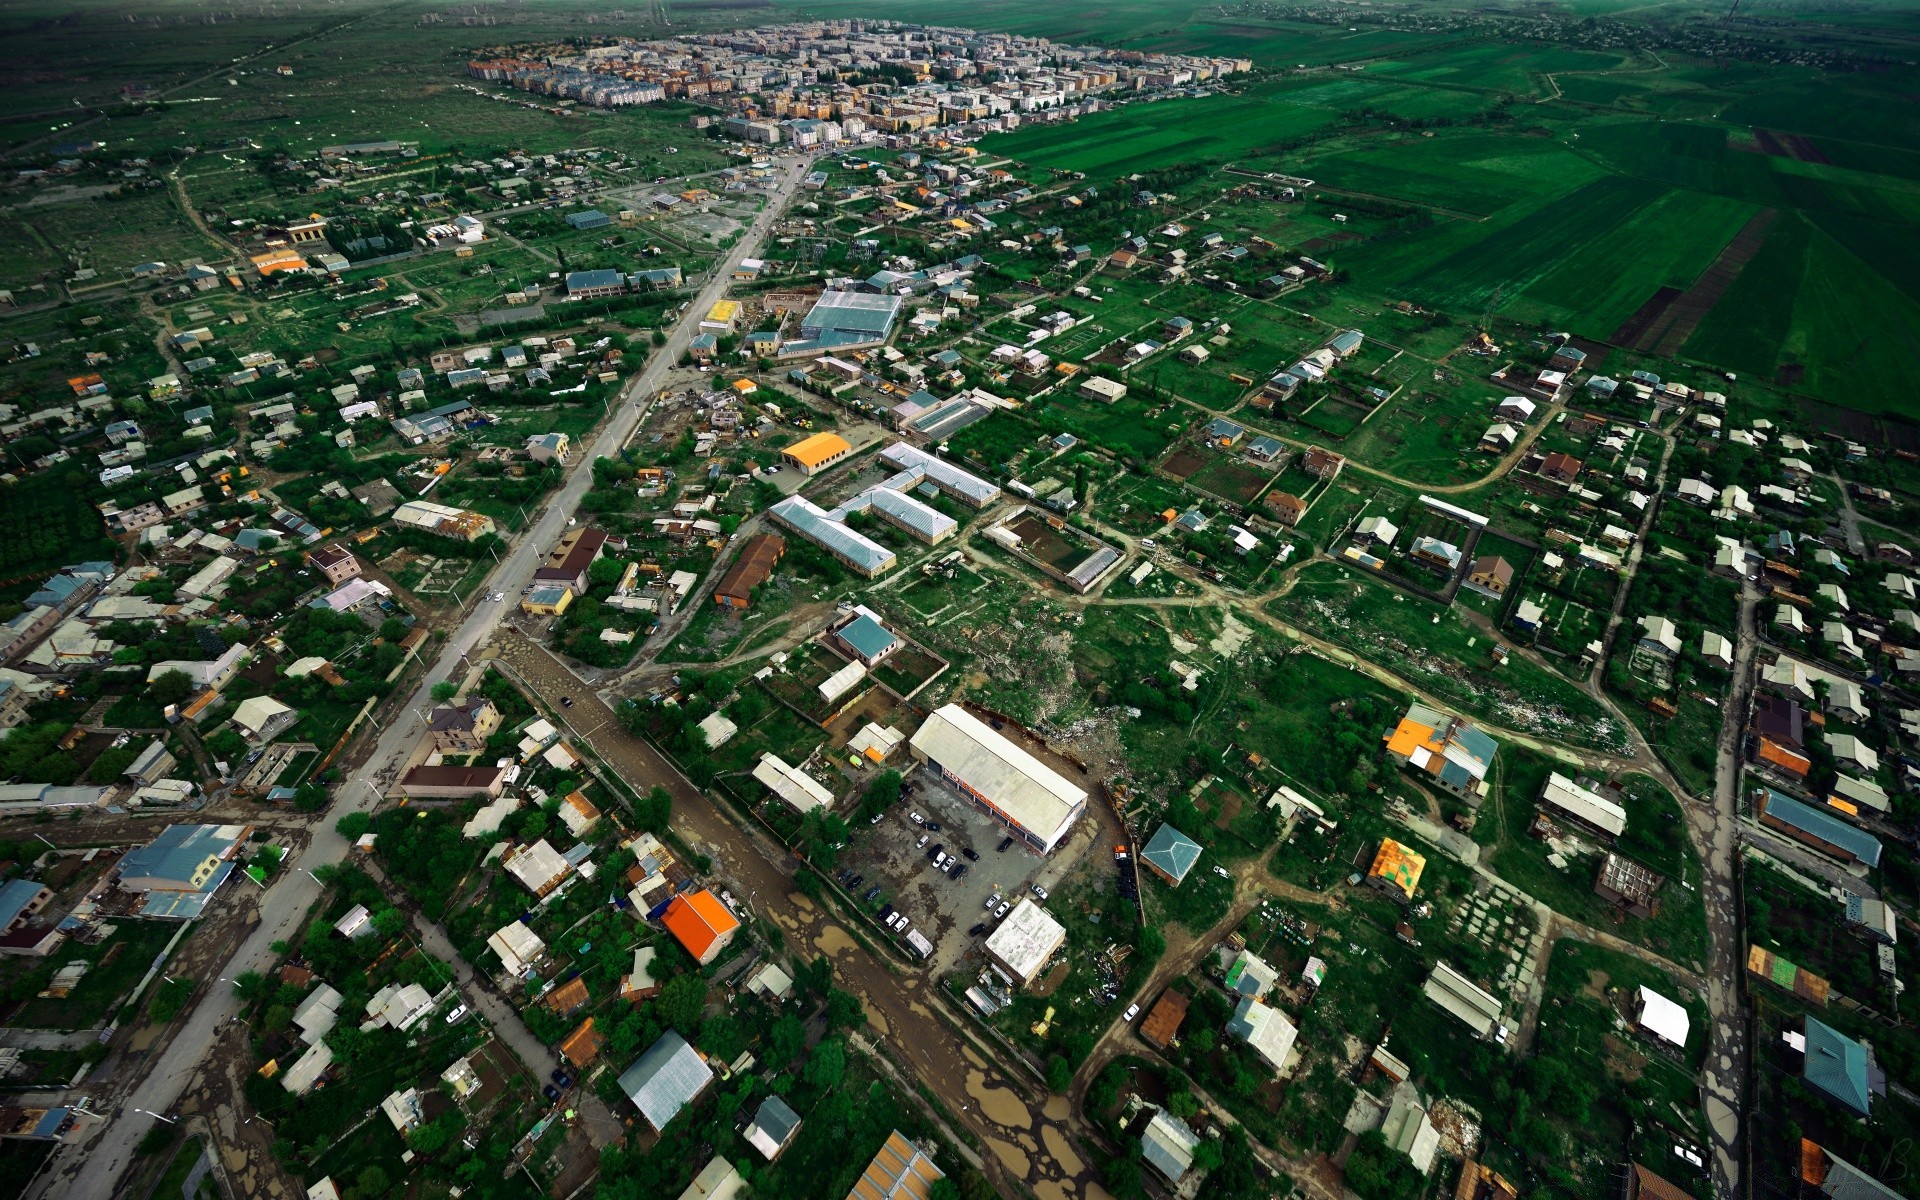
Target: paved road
{"points": [[93, 1168]]}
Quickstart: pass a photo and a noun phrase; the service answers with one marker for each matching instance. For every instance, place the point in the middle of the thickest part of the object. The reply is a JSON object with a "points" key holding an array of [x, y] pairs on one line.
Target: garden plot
{"points": [[1232, 479], [1501, 920]]}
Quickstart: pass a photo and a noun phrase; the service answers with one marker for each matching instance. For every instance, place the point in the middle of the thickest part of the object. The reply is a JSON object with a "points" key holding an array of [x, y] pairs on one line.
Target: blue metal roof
{"points": [[1837, 1065], [1171, 851], [665, 1079], [867, 636], [1830, 829], [15, 897]]}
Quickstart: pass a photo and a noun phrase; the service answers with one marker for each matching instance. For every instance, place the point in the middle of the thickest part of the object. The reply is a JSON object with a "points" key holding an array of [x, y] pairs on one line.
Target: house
{"points": [[1162, 1025], [1561, 467], [463, 727], [772, 1127], [1717, 649], [1095, 387], [1167, 1144], [1170, 854], [1251, 975], [1408, 1130], [866, 638], [1849, 750], [1437, 553], [549, 447], [584, 1044], [664, 1080], [1658, 636], [1322, 464], [701, 924], [1265, 1029], [335, 562], [1396, 870], [1287, 507], [1491, 575], [1377, 530], [1875, 918], [539, 867], [260, 719], [20, 901], [1840, 1068], [518, 946], [1446, 748]]}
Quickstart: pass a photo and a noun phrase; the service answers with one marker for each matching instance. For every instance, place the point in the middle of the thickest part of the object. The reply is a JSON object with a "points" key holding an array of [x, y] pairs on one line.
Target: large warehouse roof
{"points": [[851, 313], [961, 485], [806, 519], [1023, 788]]}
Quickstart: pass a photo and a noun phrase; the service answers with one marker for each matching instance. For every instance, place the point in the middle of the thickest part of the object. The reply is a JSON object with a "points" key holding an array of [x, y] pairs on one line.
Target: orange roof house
{"points": [[583, 1044], [1396, 869], [700, 923], [1775, 755], [569, 998]]}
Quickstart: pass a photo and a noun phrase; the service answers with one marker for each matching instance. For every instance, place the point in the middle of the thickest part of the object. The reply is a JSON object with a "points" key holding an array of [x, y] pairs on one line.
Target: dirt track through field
{"points": [[1697, 301]]}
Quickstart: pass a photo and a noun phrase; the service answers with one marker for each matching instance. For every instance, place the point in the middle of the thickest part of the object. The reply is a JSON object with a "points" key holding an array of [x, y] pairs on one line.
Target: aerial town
{"points": [[1306, 603]]}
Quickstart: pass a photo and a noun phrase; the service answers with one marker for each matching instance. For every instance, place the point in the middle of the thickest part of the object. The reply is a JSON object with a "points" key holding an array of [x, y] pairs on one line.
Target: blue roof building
{"points": [[1812, 827], [1170, 854], [1840, 1068], [868, 638], [593, 218]]}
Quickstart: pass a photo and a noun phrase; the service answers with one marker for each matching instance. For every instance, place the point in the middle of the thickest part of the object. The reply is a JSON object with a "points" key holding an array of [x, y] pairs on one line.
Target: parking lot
{"points": [[893, 858]]}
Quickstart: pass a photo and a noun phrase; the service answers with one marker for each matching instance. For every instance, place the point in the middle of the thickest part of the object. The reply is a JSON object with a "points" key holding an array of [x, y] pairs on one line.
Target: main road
{"points": [[94, 1167]]}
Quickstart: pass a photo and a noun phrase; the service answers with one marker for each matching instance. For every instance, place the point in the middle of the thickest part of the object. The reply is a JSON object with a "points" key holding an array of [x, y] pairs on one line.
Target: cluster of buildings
{"points": [[893, 500], [831, 82]]}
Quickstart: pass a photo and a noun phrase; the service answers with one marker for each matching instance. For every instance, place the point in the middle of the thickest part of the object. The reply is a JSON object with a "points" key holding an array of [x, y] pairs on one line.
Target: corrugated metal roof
{"points": [[665, 1079], [1171, 851]]}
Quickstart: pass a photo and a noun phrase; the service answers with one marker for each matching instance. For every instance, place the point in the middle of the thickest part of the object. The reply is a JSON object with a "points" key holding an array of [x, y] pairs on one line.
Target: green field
{"points": [[1143, 136]]}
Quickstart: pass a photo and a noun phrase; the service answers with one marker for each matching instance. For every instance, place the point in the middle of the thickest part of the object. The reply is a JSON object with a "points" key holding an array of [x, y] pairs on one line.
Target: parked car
{"points": [[922, 842], [1133, 1010], [855, 881], [1039, 891], [551, 1093], [871, 893], [934, 825], [916, 818], [934, 851], [977, 930], [886, 914], [1004, 843], [958, 870], [561, 1079], [1002, 910], [459, 1011], [566, 702], [970, 855]]}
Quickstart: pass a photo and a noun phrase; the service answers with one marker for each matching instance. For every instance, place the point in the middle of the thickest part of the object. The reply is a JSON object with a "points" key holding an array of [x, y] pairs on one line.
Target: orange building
{"points": [[701, 923], [817, 453]]}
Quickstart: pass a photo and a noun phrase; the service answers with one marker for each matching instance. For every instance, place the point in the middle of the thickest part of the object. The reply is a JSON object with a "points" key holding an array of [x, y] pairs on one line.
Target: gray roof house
{"points": [[772, 1127], [664, 1080]]}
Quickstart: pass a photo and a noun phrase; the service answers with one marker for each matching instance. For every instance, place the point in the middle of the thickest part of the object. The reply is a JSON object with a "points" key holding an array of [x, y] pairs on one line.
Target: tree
{"points": [[722, 1038], [681, 1002], [652, 811], [157, 1138], [445, 690], [389, 921], [171, 687], [844, 1010], [250, 986], [828, 1065], [1059, 1075], [788, 1038]]}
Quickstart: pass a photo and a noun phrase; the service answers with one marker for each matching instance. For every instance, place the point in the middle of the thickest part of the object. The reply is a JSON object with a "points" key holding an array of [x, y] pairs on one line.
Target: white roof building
{"points": [[1013, 785], [1716, 648], [840, 682], [1472, 1004], [1025, 941], [1661, 1017], [791, 784], [539, 866], [1409, 1130], [315, 1016], [1583, 805], [400, 1007], [1265, 1029], [304, 1073], [518, 946]]}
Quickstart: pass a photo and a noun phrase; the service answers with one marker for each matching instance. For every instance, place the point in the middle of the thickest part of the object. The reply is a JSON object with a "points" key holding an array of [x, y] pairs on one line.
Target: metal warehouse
{"points": [[1011, 784]]}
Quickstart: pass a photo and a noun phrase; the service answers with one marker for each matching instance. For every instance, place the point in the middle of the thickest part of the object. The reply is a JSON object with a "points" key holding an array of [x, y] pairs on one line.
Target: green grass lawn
{"points": [[118, 964]]}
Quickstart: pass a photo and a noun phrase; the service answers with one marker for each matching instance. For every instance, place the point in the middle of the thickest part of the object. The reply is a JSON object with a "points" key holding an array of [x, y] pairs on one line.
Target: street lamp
{"points": [[156, 1116]]}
